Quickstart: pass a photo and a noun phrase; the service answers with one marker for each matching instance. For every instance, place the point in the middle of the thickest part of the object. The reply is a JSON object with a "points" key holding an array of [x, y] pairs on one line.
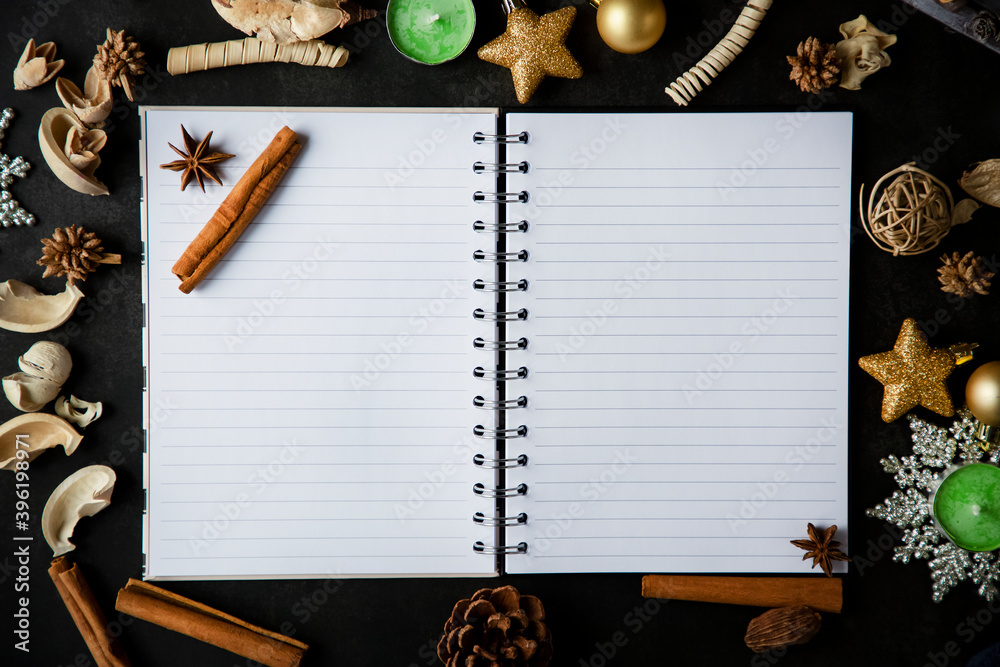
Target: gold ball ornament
{"points": [[982, 393], [630, 26]]}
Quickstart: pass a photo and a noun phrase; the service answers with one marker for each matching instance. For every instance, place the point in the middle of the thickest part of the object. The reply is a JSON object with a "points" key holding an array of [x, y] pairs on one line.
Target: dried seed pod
{"points": [[25, 309], [778, 628], [982, 181], [78, 411], [31, 434], [84, 493], [44, 369]]}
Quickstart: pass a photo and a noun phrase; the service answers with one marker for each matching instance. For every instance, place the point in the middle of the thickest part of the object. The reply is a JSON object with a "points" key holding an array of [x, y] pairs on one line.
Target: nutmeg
{"points": [[782, 627]]}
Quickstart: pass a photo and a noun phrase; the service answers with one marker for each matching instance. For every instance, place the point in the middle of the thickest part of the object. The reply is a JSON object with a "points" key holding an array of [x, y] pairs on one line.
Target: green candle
{"points": [[430, 31], [967, 506]]}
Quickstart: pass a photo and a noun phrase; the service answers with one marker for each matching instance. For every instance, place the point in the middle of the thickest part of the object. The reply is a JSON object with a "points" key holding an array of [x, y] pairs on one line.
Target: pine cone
{"points": [[73, 253], [985, 26], [964, 276], [119, 59], [815, 65], [498, 627]]}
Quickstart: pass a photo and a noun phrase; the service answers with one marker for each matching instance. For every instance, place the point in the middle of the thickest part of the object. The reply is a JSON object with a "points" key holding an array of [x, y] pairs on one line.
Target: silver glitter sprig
{"points": [[934, 449], [11, 213]]}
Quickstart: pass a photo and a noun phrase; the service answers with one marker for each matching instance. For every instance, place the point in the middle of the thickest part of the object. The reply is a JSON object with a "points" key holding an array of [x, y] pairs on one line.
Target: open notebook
{"points": [[466, 342]]}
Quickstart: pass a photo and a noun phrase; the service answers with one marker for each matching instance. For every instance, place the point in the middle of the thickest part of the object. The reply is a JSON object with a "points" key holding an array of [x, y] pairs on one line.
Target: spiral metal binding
{"points": [[481, 431], [482, 137], [501, 167], [500, 197], [500, 257], [501, 315], [506, 345], [506, 286], [519, 548], [484, 520], [499, 463], [503, 227], [501, 375], [481, 490]]}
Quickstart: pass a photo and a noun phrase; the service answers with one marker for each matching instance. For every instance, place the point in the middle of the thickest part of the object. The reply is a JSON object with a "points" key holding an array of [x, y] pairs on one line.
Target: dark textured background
{"points": [[939, 85]]}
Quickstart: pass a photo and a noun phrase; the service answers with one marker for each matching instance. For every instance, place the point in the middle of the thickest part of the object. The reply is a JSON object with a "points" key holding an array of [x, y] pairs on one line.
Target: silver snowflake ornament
{"points": [[934, 450], [11, 213]]}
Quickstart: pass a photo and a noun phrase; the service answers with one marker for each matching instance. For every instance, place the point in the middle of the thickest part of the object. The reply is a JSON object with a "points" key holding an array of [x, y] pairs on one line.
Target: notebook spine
{"points": [[506, 431]]}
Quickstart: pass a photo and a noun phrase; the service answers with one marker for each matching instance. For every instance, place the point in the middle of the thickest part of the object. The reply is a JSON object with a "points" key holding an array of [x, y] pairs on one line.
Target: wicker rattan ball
{"points": [[911, 214]]}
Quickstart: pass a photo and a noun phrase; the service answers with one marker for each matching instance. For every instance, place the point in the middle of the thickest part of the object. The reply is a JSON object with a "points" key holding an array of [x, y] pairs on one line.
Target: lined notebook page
{"points": [[310, 403], [688, 311]]}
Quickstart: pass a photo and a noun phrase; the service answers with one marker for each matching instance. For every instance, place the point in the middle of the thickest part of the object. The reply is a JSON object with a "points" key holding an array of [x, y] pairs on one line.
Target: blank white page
{"points": [[310, 403], [687, 325]]}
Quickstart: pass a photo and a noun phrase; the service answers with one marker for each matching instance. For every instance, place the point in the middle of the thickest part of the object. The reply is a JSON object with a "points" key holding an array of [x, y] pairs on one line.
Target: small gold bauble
{"points": [[630, 26], [982, 393]]}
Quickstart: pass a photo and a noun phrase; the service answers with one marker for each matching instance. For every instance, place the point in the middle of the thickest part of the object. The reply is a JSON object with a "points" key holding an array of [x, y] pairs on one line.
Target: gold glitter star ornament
{"points": [[914, 373], [533, 47]]}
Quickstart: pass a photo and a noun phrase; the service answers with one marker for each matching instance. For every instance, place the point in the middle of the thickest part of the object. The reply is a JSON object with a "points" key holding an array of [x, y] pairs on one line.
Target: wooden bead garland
{"points": [[693, 81]]}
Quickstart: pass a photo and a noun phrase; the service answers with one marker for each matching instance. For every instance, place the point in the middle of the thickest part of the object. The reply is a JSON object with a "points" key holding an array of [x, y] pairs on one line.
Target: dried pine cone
{"points": [[73, 253], [498, 627], [815, 65], [964, 276], [986, 26], [119, 59]]}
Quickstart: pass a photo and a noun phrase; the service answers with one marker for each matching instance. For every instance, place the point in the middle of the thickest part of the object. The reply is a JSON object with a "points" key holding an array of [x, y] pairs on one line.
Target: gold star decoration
{"points": [[821, 548], [533, 47], [197, 162], [913, 374]]}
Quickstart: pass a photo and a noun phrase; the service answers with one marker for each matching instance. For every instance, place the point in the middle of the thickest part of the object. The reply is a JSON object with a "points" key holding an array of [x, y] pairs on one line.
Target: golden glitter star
{"points": [[913, 374], [533, 47]]}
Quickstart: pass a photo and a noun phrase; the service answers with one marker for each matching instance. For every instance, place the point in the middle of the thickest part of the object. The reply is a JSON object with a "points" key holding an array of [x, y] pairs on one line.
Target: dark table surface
{"points": [[937, 103]]}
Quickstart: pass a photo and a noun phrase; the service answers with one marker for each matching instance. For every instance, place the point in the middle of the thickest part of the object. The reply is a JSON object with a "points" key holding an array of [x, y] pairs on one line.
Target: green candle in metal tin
{"points": [[967, 506], [430, 31]]}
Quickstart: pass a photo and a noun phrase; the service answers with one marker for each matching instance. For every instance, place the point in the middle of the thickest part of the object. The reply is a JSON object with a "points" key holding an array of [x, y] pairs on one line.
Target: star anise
{"points": [[821, 548], [198, 161]]}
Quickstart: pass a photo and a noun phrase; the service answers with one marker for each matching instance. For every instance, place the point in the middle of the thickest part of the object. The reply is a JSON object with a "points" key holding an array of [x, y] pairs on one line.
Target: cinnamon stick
{"points": [[237, 210], [820, 593], [86, 613], [178, 613]]}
